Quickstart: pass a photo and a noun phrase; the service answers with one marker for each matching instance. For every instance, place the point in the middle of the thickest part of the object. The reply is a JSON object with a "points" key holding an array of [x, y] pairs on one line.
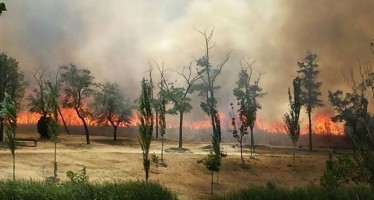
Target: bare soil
{"points": [[107, 160]]}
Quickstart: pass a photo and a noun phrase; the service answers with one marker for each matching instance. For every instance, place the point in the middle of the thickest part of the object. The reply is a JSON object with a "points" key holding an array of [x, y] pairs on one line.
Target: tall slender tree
{"points": [[310, 93], [11, 82], [146, 124], [8, 112], [78, 85], [247, 93], [53, 125], [208, 74], [291, 118]]}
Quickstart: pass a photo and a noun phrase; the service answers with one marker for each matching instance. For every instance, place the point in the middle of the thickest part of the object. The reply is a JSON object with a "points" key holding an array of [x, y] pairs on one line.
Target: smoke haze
{"points": [[118, 40]]}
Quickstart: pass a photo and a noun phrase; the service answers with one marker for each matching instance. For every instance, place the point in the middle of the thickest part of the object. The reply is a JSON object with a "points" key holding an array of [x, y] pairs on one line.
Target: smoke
{"points": [[118, 40]]}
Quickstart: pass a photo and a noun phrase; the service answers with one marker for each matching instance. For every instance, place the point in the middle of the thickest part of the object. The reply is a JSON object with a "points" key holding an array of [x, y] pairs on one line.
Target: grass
{"points": [[37, 190], [313, 193]]}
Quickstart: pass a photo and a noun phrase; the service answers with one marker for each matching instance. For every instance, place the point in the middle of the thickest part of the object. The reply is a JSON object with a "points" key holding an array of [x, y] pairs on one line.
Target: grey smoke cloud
{"points": [[117, 40]]}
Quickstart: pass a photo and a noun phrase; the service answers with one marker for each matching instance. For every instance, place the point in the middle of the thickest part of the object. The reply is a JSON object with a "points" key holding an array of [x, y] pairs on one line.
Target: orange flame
{"points": [[322, 124]]}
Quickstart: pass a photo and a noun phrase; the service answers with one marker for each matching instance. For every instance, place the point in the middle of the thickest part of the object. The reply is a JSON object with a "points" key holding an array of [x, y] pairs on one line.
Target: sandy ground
{"points": [[122, 160]]}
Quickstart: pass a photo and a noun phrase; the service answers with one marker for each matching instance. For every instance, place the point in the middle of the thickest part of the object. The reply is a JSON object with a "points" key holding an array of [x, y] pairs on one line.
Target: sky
{"points": [[119, 40]]}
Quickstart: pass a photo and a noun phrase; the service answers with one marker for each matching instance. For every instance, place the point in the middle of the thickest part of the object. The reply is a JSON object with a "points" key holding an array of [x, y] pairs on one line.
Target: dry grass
{"points": [[122, 160]]}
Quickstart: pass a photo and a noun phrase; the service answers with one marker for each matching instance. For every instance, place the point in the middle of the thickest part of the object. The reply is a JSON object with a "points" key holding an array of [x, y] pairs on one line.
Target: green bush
{"points": [[313, 193], [36, 190]]}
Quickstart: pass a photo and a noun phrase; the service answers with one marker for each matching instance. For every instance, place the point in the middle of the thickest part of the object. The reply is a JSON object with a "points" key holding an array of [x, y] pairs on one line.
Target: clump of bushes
{"points": [[39, 190]]}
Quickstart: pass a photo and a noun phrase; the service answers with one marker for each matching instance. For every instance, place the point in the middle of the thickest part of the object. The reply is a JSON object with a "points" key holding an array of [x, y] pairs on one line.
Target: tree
{"points": [[155, 102], [2, 8], [111, 107], [310, 93], [53, 126], [8, 113], [179, 95], [208, 75], [247, 94], [11, 82], [78, 85], [38, 102], [146, 124], [162, 125], [291, 118]]}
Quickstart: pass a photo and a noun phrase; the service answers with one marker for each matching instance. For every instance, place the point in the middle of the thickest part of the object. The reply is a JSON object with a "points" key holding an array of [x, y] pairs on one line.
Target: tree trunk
{"points": [[156, 124], [180, 129], [63, 120], [14, 166], [310, 129], [252, 141], [115, 132], [162, 149], [55, 161], [1, 130], [293, 157], [211, 184], [86, 131], [241, 148]]}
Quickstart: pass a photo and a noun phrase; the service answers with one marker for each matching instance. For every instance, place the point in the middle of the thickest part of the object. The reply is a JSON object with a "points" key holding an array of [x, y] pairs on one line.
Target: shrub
{"points": [[37, 190]]}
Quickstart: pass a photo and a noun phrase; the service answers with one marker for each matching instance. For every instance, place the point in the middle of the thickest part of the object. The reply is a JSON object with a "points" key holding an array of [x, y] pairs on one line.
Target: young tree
{"points": [[247, 94], [11, 82], [78, 85], [146, 124], [179, 96], [111, 107], [53, 126], [208, 75], [8, 113], [291, 118], [243, 130], [310, 93], [155, 102], [162, 125]]}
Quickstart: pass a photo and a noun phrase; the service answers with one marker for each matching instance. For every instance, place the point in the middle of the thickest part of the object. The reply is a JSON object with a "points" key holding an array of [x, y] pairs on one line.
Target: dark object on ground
{"points": [[43, 126], [24, 142]]}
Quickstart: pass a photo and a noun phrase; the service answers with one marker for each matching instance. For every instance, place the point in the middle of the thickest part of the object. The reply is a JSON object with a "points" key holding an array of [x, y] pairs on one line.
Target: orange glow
{"points": [[322, 124]]}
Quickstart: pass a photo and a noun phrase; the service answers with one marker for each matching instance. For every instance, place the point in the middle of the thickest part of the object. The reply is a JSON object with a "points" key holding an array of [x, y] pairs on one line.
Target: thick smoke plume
{"points": [[118, 40]]}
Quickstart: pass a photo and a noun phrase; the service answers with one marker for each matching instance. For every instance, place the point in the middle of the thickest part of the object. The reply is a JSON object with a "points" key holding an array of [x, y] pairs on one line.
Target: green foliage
{"points": [[146, 123], [308, 70], [110, 106], [2, 8], [351, 108], [80, 177], [212, 162], [12, 82], [131, 190], [291, 118], [247, 94], [310, 93], [356, 167], [78, 85], [8, 113], [155, 160], [312, 193]]}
